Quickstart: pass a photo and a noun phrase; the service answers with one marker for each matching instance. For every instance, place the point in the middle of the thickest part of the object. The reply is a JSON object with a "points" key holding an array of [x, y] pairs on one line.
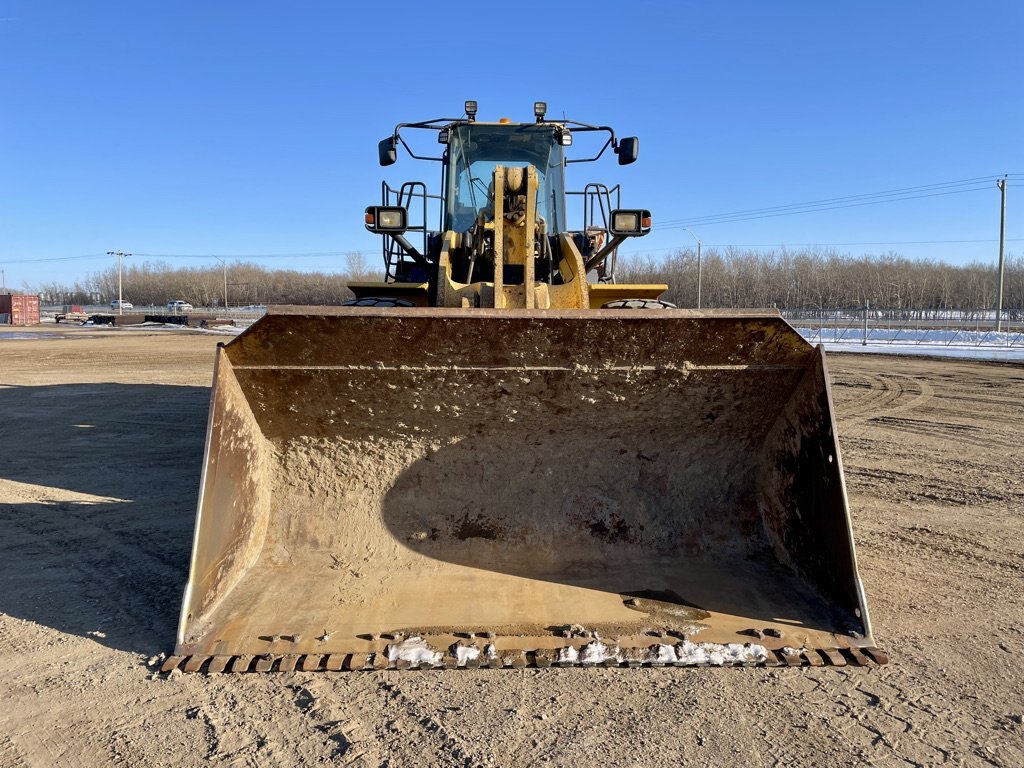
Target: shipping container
{"points": [[18, 309]]}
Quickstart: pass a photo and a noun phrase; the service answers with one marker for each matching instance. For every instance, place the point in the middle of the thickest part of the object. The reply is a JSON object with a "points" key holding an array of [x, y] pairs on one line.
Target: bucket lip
{"points": [[717, 336], [544, 314]]}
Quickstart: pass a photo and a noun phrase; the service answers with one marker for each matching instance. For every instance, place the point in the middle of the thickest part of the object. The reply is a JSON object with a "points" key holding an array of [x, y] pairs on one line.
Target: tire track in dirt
{"points": [[339, 717], [947, 488], [90, 566], [10, 755], [410, 716], [293, 718], [938, 430], [882, 717], [861, 395], [945, 546], [114, 536]]}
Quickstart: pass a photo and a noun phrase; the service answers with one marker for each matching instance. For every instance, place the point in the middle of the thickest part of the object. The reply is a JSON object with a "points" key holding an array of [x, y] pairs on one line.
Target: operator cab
{"points": [[476, 149]]}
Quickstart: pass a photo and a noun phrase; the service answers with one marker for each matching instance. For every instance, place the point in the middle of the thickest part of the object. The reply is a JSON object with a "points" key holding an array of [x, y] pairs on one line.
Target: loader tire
{"points": [[638, 304], [377, 301]]}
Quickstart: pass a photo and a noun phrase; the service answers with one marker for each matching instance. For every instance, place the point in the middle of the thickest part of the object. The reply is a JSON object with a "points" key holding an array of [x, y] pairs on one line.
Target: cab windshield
{"points": [[475, 150]]}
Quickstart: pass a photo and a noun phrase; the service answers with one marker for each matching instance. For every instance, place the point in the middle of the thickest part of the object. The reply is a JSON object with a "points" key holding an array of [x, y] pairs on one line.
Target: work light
{"points": [[386, 219], [630, 222]]}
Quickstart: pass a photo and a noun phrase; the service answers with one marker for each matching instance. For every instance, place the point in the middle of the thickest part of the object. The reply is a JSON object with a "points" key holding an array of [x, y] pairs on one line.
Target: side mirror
{"points": [[387, 151], [628, 149], [630, 222], [386, 219]]}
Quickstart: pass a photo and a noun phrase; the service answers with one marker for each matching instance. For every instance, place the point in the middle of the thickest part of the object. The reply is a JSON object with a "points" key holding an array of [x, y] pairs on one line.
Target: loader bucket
{"points": [[394, 487]]}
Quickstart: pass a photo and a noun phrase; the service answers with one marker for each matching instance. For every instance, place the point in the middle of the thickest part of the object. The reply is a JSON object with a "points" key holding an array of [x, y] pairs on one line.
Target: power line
{"points": [[727, 218], [848, 198], [957, 186], [684, 246], [234, 257], [311, 254], [56, 258]]}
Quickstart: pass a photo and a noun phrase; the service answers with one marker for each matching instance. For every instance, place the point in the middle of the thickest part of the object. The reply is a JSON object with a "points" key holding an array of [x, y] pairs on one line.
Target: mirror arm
{"points": [[411, 153], [600, 256], [418, 257], [595, 157]]}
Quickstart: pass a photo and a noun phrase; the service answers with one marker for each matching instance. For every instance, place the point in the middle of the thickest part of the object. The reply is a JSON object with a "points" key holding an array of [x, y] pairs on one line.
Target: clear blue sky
{"points": [[240, 128]]}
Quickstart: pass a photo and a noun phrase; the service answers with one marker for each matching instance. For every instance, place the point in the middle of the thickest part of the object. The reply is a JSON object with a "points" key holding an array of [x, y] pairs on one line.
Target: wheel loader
{"points": [[500, 456]]}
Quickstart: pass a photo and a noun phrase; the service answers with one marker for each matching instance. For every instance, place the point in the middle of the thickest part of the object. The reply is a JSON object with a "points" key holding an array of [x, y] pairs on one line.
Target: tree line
{"points": [[156, 283], [731, 278], [826, 279]]}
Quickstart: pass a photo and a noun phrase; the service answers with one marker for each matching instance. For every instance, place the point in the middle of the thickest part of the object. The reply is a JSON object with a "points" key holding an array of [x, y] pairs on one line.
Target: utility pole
{"points": [[1001, 183], [3, 273], [867, 306], [120, 300], [698, 264], [225, 265]]}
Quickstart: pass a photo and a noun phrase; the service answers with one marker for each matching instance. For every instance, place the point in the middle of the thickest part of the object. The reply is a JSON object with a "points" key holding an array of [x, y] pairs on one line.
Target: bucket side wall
{"points": [[803, 496], [234, 500]]}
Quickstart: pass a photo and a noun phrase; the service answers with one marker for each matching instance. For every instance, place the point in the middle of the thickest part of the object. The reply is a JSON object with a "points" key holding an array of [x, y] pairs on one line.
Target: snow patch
{"points": [[414, 650], [568, 654], [686, 652], [971, 345], [718, 654], [596, 652], [661, 654], [465, 653]]}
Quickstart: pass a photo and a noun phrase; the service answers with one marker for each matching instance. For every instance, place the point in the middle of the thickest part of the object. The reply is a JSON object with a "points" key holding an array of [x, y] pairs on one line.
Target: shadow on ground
{"points": [[97, 502]]}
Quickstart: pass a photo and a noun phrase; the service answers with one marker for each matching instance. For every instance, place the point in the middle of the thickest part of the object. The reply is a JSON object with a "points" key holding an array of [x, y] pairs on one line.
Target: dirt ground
{"points": [[100, 454]]}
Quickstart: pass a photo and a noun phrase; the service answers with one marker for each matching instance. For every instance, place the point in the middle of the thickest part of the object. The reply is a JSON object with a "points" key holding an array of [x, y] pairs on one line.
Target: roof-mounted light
{"points": [[471, 110], [505, 120], [566, 138], [540, 109]]}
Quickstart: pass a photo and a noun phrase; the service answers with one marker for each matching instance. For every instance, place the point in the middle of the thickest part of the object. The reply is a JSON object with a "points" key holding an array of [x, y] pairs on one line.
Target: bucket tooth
{"points": [[879, 656], [834, 656], [171, 663], [218, 664], [195, 663]]}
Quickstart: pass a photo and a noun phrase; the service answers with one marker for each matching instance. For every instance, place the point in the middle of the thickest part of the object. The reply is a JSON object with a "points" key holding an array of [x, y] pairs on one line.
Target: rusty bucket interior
{"points": [[540, 479]]}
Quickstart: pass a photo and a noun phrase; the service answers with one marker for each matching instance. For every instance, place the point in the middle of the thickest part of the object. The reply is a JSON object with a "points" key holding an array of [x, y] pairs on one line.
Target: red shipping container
{"points": [[19, 309]]}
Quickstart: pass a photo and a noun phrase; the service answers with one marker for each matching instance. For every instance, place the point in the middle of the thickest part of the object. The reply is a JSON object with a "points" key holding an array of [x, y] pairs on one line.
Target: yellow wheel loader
{"points": [[502, 457]]}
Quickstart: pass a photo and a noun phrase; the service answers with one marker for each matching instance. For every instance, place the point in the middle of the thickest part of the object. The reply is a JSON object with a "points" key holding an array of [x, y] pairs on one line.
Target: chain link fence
{"points": [[924, 327]]}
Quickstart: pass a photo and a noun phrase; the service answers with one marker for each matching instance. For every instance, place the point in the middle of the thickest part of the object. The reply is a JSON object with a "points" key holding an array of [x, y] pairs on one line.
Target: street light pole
{"points": [[120, 300], [698, 264], [225, 265], [1001, 183]]}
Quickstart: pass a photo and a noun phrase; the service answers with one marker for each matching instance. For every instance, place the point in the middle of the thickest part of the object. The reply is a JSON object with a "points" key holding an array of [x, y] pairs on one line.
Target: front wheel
{"points": [[377, 301], [638, 304]]}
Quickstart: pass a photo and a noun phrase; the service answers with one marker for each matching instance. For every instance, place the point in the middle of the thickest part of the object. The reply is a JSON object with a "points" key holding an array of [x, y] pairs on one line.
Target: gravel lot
{"points": [[101, 435]]}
